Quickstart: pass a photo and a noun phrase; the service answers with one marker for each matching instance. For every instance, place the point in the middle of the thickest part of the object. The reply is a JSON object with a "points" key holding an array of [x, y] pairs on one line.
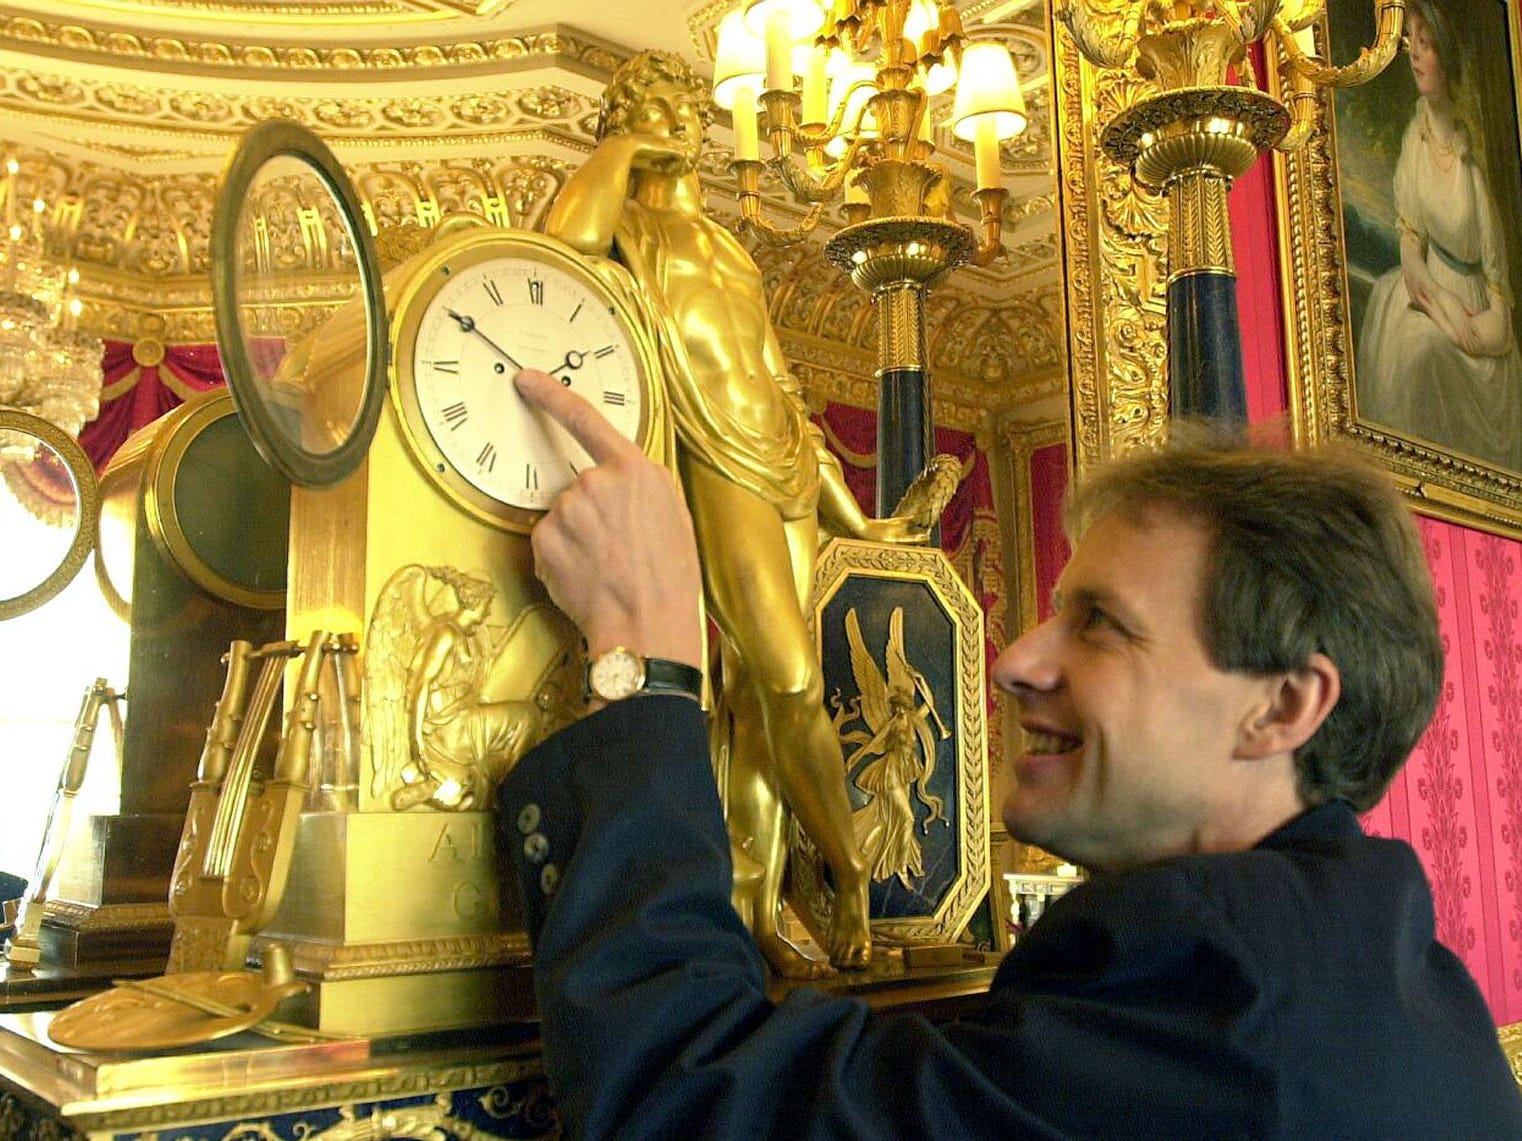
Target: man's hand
{"points": [[616, 552]]}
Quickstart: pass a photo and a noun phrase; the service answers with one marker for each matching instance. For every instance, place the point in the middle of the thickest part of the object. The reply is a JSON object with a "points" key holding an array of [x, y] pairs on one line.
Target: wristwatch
{"points": [[619, 673]]}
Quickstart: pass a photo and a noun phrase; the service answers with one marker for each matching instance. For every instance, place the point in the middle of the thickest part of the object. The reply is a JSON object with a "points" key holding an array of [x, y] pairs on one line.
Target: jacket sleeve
{"points": [[656, 1021]]}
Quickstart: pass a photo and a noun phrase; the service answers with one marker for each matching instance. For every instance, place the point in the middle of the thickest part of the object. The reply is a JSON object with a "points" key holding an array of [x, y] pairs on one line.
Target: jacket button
{"points": [[528, 818], [535, 848], [549, 879]]}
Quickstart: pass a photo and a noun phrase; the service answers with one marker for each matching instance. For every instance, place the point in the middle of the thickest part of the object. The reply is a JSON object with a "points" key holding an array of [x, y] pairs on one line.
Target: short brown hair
{"points": [[1310, 551], [634, 76]]}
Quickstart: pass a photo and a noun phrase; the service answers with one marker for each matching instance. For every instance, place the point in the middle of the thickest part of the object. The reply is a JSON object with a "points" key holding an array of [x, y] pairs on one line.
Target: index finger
{"points": [[587, 426]]}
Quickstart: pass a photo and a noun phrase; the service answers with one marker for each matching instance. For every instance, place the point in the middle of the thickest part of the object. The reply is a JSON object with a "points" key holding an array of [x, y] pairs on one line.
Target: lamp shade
{"points": [[921, 19], [988, 92], [804, 16], [740, 61]]}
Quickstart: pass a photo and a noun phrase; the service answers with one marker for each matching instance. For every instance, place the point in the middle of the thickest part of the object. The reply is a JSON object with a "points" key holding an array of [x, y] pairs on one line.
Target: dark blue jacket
{"points": [[1292, 991]]}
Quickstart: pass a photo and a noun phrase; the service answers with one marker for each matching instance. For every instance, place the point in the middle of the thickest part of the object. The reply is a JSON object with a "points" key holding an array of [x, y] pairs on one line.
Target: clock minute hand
{"points": [[468, 324]]}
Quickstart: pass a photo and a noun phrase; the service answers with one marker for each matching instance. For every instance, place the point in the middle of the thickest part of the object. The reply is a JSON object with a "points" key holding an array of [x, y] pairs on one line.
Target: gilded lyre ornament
{"points": [[1205, 126], [435, 737], [758, 480], [24, 948], [239, 833], [894, 756]]}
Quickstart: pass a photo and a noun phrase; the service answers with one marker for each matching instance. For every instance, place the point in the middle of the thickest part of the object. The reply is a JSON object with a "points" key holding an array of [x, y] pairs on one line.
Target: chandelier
{"points": [[48, 365], [842, 99]]}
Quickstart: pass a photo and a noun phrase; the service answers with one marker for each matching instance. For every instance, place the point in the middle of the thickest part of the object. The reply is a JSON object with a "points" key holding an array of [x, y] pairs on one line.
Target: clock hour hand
{"points": [[468, 324], [573, 360]]}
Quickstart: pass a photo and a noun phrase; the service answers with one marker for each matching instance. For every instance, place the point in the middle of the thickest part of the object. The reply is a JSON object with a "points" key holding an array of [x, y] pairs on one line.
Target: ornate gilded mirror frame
{"points": [[1114, 248], [86, 507]]}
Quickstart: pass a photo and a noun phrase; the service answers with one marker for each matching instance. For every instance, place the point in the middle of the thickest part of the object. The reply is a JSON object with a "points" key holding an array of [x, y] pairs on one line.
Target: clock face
{"points": [[504, 302]]}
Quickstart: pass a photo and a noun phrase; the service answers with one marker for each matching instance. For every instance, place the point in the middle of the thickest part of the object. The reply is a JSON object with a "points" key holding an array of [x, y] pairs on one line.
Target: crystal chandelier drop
{"points": [[48, 365]]}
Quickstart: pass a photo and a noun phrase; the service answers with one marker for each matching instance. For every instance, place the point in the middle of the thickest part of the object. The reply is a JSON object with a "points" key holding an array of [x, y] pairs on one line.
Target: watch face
{"points": [[616, 674], [506, 302]]}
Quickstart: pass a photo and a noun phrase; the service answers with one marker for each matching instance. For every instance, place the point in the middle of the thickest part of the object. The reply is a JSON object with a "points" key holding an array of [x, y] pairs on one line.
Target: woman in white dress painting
{"points": [[1437, 358]]}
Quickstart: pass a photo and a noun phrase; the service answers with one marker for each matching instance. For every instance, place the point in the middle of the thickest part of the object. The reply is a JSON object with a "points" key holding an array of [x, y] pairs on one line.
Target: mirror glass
{"points": [[298, 304], [293, 244], [45, 523]]}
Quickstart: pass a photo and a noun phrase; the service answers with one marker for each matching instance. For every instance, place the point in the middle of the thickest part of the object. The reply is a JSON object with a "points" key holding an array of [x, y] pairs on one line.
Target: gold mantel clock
{"points": [[421, 553], [474, 312]]}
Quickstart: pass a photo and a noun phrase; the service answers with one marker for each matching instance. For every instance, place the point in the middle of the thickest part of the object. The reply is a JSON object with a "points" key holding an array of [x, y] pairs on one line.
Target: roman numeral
{"points": [[605, 351], [488, 457], [617, 399], [536, 291], [530, 477], [492, 291], [576, 310], [455, 414], [451, 367]]}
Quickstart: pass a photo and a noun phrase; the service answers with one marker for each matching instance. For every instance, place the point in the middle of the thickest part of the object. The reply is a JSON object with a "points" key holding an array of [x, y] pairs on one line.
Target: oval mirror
{"points": [[289, 242], [49, 508]]}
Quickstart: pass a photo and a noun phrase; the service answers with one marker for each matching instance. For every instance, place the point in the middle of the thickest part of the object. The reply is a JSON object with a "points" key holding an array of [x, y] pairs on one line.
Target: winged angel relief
{"points": [[894, 754], [435, 737]]}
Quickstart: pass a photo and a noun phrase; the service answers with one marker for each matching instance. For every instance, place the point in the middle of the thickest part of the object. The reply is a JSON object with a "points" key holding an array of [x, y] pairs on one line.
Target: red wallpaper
{"points": [[1049, 481], [1458, 801]]}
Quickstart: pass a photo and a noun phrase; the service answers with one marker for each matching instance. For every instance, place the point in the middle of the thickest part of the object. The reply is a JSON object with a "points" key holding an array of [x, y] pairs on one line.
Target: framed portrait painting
{"points": [[1401, 243]]}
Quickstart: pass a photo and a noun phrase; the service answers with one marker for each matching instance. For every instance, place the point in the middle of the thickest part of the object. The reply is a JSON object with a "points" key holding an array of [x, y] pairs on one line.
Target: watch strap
{"points": [[665, 676]]}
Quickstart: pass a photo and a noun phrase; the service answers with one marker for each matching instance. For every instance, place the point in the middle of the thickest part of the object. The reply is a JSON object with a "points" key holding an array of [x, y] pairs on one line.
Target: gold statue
{"points": [[759, 481], [895, 754], [437, 738]]}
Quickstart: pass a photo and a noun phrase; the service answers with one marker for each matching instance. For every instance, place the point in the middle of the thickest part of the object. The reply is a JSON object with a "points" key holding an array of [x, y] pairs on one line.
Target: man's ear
{"points": [[1294, 706]]}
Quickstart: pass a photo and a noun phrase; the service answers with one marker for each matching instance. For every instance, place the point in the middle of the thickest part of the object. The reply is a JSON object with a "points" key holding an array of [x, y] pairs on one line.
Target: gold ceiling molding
{"points": [[63, 42], [104, 107], [288, 11], [1115, 258], [158, 228]]}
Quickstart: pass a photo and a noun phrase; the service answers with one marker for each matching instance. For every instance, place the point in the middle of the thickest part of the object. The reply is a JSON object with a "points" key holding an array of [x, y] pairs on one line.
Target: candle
{"points": [[747, 138], [986, 151], [779, 50]]}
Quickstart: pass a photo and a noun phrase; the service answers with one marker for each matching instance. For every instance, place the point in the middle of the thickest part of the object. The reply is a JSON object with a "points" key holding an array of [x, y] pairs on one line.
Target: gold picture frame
{"points": [[1366, 365]]}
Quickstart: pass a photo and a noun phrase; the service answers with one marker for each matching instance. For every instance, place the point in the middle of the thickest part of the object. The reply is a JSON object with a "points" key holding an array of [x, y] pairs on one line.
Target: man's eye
{"points": [[1093, 618]]}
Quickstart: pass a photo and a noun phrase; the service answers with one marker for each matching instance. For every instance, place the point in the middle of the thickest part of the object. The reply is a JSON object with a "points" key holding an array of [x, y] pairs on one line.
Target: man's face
{"points": [[1130, 729], [670, 110]]}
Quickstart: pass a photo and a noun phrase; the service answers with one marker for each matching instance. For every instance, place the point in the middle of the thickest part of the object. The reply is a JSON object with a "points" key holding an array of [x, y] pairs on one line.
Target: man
{"points": [[1243, 651], [757, 478]]}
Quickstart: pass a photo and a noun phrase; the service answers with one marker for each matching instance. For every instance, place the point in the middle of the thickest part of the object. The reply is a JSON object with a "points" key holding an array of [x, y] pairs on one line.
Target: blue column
{"points": [[905, 434], [1205, 375]]}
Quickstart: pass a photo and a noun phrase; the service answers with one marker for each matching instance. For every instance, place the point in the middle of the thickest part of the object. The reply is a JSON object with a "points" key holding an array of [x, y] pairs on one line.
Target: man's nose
{"points": [[1029, 663]]}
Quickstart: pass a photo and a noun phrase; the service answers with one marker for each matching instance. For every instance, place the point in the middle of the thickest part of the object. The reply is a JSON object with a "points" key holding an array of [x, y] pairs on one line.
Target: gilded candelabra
{"points": [[1205, 127], [842, 98]]}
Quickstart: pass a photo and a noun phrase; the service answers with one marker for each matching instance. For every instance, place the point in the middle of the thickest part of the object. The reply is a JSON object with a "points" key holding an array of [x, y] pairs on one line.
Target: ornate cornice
{"points": [[67, 42], [188, 123]]}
